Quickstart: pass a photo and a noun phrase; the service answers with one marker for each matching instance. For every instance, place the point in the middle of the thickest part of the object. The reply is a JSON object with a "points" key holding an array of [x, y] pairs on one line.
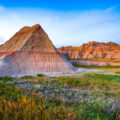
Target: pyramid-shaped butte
{"points": [[30, 51]]}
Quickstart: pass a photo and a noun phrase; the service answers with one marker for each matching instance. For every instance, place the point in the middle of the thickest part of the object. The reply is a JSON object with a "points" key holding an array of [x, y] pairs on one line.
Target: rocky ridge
{"points": [[92, 50]]}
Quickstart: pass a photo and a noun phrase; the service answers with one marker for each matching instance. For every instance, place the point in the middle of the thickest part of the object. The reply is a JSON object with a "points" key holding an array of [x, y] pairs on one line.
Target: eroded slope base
{"points": [[20, 63]]}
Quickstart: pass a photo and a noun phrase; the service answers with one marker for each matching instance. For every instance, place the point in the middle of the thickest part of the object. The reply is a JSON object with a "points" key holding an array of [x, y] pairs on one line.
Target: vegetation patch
{"points": [[27, 77], [104, 60], [40, 75], [88, 97], [98, 67], [6, 78], [117, 72]]}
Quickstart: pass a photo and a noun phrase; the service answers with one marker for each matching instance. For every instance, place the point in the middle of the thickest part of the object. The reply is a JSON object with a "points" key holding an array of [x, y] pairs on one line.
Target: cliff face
{"points": [[92, 50], [30, 51]]}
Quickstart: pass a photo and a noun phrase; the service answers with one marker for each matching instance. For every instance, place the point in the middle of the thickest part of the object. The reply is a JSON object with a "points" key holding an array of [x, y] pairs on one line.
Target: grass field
{"points": [[107, 60], [105, 69], [99, 67], [91, 96]]}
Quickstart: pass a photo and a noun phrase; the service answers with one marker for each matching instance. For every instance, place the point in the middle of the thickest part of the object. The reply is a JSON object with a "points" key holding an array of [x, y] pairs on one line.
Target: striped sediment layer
{"points": [[30, 51]]}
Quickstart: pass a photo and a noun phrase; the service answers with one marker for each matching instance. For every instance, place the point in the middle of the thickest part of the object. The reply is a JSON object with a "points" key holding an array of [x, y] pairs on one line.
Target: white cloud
{"points": [[69, 28]]}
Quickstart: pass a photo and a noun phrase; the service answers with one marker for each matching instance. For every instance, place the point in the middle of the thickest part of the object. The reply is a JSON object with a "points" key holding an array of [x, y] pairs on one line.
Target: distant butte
{"points": [[30, 51], [92, 50]]}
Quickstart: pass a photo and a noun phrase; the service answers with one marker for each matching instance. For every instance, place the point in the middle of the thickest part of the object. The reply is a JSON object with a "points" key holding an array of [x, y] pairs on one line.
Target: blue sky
{"points": [[67, 22], [64, 5]]}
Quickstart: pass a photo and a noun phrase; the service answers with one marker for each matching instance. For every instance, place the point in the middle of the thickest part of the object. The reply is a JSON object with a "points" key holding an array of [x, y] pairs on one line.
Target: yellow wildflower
{"points": [[24, 100], [36, 80]]}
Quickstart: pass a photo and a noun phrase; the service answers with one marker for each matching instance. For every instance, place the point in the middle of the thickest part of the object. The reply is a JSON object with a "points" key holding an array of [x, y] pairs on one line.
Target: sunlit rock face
{"points": [[30, 51], [92, 50]]}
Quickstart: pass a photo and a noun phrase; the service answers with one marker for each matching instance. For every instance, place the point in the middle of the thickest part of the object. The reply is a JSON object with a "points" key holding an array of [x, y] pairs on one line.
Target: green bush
{"points": [[40, 75], [26, 77], [2, 85], [7, 78], [1, 78]]}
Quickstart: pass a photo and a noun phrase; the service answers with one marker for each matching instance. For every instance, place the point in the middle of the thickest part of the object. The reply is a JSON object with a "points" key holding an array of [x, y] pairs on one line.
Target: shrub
{"points": [[1, 78], [2, 85], [40, 75], [7, 78], [27, 77]]}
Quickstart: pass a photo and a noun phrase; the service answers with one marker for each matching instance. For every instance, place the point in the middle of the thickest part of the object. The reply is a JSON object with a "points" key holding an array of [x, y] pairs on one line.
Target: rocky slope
{"points": [[30, 51], [92, 50]]}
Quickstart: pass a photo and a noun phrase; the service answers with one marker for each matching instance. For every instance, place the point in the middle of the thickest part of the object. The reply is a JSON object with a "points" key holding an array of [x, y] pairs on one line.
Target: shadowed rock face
{"points": [[92, 50], [30, 51]]}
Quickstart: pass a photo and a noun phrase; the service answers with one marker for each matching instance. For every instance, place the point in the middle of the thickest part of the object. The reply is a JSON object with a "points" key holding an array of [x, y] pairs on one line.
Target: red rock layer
{"points": [[92, 50]]}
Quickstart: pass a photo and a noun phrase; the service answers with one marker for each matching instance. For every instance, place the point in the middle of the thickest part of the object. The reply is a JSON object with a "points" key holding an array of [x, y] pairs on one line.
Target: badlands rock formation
{"points": [[30, 51], [92, 50]]}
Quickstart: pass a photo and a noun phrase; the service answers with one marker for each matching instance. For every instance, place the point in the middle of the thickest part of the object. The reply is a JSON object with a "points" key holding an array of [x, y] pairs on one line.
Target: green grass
{"points": [[105, 69], [104, 83], [117, 72], [106, 60], [108, 84], [96, 67], [20, 104], [49, 109]]}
